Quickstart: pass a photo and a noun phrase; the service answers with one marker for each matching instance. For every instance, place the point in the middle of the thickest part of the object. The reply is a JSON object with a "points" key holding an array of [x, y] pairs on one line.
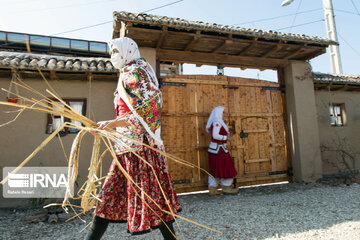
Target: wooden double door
{"points": [[254, 113]]}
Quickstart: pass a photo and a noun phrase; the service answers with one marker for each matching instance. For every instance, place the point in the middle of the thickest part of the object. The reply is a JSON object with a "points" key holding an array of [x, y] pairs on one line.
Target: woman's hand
{"points": [[104, 124], [101, 126], [108, 125]]}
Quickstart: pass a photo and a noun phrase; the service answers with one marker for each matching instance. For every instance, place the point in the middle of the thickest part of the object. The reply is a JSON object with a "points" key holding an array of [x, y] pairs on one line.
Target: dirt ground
{"points": [[282, 211]]}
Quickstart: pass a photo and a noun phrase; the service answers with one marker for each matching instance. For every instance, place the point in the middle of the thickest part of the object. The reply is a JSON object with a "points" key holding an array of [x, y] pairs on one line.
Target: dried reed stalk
{"points": [[88, 192], [41, 146]]}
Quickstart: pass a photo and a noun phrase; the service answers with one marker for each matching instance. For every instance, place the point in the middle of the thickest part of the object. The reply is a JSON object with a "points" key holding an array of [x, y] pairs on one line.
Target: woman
{"points": [[137, 102], [221, 166]]}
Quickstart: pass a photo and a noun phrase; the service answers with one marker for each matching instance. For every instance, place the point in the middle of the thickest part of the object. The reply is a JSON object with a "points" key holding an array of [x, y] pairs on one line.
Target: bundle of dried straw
{"points": [[88, 193]]}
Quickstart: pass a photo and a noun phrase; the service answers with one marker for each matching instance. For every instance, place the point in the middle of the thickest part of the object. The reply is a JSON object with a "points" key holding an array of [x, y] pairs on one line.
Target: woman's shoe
{"points": [[229, 190], [214, 191]]}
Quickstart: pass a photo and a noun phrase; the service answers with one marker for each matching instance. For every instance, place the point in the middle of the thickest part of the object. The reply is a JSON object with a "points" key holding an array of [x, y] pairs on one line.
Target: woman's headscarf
{"points": [[138, 86], [128, 51], [216, 116]]}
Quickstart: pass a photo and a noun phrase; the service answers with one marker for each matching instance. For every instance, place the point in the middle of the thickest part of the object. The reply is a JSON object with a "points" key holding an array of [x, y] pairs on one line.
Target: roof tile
{"points": [[53, 62], [199, 25], [338, 79]]}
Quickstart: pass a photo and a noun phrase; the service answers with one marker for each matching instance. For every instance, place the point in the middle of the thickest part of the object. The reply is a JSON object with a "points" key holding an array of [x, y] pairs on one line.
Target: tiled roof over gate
{"points": [[198, 25]]}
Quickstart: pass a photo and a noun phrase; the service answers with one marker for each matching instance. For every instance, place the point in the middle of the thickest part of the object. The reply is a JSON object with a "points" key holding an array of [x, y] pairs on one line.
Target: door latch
{"points": [[243, 134]]}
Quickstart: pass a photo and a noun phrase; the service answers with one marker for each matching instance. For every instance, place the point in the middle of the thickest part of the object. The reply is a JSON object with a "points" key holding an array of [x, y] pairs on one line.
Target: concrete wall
{"points": [[150, 55], [334, 140], [20, 138], [302, 122]]}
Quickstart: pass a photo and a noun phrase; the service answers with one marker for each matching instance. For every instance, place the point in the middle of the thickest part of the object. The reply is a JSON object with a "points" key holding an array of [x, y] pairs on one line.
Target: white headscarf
{"points": [[216, 116], [128, 51]]}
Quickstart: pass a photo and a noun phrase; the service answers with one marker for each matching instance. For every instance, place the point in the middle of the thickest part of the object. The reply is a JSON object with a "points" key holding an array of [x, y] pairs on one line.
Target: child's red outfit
{"points": [[220, 161], [221, 166]]}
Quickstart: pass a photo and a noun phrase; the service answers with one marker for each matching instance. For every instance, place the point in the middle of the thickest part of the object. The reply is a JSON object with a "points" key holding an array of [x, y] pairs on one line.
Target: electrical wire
{"points": [[66, 6], [355, 7], [321, 20], [95, 25], [297, 10], [344, 11], [82, 28], [282, 16], [99, 24], [17, 2], [163, 6], [347, 43]]}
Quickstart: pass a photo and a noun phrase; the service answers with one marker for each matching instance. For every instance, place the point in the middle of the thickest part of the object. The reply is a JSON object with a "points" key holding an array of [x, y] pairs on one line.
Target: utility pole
{"points": [[335, 60]]}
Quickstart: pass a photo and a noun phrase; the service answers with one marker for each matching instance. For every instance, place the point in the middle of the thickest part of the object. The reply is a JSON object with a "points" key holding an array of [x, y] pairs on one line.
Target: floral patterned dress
{"points": [[121, 200]]}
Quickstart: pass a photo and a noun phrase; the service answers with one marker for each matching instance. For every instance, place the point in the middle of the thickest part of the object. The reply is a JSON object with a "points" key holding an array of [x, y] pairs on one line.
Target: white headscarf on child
{"points": [[216, 116]]}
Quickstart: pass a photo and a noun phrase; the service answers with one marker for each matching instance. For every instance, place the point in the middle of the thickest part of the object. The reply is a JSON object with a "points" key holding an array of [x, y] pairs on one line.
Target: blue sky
{"points": [[53, 17]]}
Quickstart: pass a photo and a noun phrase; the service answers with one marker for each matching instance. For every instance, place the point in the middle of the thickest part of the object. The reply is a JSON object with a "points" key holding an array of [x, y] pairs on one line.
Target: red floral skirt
{"points": [[122, 201], [221, 165]]}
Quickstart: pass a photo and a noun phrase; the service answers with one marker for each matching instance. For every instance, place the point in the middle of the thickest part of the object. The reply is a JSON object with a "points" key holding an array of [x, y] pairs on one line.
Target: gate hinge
{"points": [[181, 181], [281, 88], [230, 87], [173, 84], [288, 172]]}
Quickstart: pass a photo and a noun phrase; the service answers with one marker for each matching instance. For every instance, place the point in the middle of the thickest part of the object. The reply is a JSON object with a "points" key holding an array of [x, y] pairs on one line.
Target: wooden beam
{"points": [[193, 41], [219, 59], [244, 50], [223, 45], [257, 160], [53, 75], [315, 53], [351, 87], [320, 86], [206, 114], [117, 26], [335, 87], [236, 40], [164, 33], [66, 74], [272, 50], [347, 87], [292, 54]]}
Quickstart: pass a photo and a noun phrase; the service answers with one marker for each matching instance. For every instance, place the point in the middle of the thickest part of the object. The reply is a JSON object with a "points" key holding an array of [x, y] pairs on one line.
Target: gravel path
{"points": [[284, 211]]}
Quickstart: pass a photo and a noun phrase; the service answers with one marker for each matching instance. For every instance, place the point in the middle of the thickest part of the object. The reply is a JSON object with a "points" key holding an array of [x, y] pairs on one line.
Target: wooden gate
{"points": [[254, 113]]}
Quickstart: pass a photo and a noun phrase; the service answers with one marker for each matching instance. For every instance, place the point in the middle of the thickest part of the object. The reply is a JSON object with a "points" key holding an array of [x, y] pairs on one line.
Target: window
{"points": [[60, 43], [17, 38], [55, 121], [98, 47], [2, 37], [79, 45], [40, 41], [337, 115]]}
